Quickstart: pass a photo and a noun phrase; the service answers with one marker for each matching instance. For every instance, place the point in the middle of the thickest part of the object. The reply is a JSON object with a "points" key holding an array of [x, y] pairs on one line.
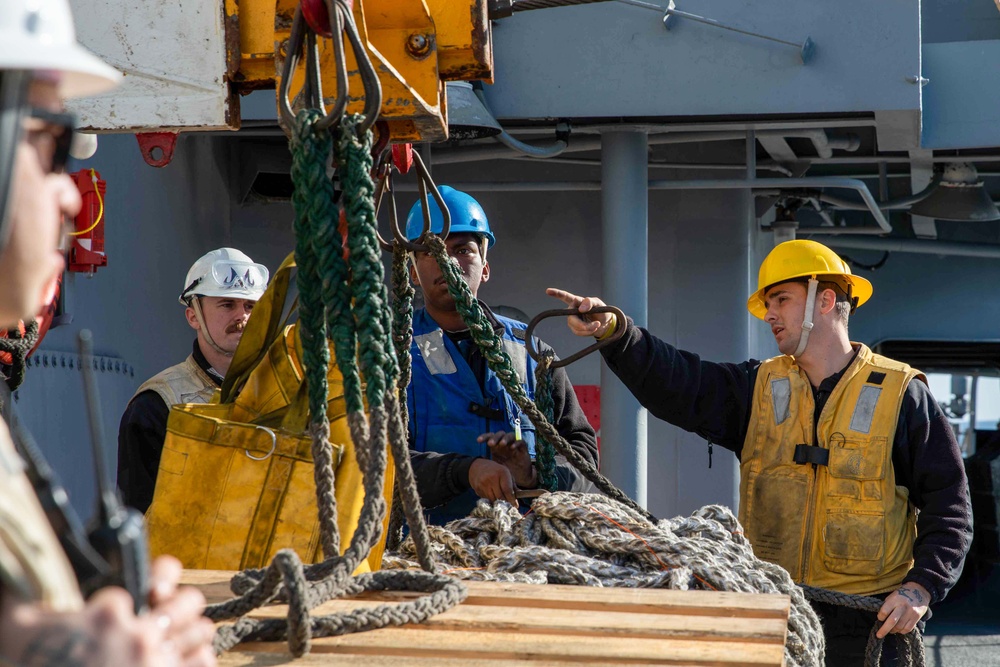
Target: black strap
{"points": [[811, 454], [485, 412]]}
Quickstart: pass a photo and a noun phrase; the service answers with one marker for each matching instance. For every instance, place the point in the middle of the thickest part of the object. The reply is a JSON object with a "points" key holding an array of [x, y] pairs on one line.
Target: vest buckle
{"points": [[486, 412], [811, 454]]}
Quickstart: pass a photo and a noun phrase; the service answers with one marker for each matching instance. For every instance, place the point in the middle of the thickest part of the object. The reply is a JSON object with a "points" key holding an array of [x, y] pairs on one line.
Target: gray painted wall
{"points": [[929, 297], [613, 59]]}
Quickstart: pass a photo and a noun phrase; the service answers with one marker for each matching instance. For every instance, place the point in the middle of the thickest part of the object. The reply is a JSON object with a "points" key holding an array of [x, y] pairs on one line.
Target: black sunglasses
{"points": [[61, 127]]}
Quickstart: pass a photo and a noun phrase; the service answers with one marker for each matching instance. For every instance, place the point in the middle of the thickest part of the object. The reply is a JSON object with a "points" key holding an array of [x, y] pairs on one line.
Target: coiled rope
{"points": [[592, 540], [344, 301]]}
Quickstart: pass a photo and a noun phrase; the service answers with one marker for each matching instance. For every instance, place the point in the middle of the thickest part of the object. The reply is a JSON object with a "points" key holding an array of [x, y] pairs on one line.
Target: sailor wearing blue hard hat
{"points": [[468, 438]]}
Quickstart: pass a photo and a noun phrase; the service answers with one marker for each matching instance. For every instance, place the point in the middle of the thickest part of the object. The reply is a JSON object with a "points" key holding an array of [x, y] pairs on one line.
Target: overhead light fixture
{"points": [[467, 117], [785, 222], [959, 197]]}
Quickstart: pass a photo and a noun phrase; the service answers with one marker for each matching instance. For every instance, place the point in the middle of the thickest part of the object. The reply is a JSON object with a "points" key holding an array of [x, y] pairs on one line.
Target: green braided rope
{"points": [[402, 319], [545, 453], [402, 338], [374, 324], [499, 361], [310, 150], [367, 279]]}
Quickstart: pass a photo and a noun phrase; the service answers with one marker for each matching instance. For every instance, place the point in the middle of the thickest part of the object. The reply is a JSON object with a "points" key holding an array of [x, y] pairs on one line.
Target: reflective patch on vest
{"points": [[864, 409], [435, 354], [519, 357], [781, 396]]}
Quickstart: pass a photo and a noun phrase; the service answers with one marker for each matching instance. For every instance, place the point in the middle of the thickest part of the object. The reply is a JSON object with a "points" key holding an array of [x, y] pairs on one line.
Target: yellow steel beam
{"points": [[465, 41], [415, 46]]}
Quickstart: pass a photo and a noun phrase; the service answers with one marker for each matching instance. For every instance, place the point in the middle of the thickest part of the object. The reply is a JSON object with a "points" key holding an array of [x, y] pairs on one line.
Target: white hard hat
{"points": [[38, 36], [227, 273]]}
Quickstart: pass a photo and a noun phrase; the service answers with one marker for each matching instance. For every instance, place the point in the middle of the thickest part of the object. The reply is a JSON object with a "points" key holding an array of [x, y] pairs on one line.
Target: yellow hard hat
{"points": [[803, 259]]}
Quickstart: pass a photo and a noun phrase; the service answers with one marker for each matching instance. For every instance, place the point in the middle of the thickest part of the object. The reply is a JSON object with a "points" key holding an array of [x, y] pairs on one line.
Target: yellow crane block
{"points": [[415, 46]]}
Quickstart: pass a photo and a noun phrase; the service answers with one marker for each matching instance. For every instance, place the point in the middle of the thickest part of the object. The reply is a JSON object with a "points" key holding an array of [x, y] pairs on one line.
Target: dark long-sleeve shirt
{"points": [[140, 441], [714, 400], [444, 476]]}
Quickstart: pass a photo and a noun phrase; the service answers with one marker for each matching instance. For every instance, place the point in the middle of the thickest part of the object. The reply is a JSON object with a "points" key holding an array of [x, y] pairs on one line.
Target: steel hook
{"points": [[424, 180], [385, 185], [570, 312], [369, 77]]}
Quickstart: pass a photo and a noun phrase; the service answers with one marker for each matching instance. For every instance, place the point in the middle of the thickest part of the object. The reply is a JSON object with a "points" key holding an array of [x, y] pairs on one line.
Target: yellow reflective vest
{"points": [[843, 525]]}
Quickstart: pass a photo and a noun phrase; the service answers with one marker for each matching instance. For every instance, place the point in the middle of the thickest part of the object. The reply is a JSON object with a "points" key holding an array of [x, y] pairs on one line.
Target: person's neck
{"points": [[449, 320], [825, 358], [220, 362]]}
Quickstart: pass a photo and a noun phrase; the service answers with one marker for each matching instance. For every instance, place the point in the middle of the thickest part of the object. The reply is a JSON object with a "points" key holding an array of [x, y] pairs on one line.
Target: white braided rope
{"points": [[591, 540]]}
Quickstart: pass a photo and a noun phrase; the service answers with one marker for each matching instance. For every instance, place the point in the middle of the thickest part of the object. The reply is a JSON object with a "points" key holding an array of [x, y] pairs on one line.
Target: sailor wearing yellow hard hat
{"points": [[839, 448]]}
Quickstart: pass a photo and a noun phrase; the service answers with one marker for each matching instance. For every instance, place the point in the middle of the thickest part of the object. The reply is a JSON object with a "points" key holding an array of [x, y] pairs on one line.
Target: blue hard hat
{"points": [[466, 216]]}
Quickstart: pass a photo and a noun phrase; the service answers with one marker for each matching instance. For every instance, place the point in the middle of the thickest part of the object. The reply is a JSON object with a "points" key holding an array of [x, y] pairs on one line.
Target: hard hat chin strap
{"points": [[807, 320], [196, 305]]}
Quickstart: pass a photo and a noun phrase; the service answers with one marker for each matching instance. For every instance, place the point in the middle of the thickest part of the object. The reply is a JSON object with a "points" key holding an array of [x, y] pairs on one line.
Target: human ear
{"points": [[191, 318], [828, 301]]}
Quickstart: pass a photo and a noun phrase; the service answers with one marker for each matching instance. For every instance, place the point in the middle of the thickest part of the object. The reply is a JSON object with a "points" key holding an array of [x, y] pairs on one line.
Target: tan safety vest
{"points": [[33, 565], [184, 383], [846, 525]]}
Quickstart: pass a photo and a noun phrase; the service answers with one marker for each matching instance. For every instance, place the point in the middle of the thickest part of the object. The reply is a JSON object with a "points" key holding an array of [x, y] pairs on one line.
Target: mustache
{"points": [[236, 327]]}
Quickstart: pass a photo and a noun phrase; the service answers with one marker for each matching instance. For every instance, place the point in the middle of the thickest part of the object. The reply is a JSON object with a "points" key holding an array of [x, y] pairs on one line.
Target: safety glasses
{"points": [[239, 275], [51, 134], [228, 275]]}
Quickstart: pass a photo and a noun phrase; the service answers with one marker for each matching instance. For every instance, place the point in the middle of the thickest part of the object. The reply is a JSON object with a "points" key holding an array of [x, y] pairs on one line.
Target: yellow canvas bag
{"points": [[235, 483]]}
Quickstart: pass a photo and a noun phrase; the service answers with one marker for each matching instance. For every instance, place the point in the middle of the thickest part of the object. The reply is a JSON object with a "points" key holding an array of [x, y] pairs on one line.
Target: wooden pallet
{"points": [[520, 624]]}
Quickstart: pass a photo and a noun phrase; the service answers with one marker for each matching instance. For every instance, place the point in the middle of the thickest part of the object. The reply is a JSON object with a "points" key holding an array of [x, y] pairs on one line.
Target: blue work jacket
{"points": [[448, 409]]}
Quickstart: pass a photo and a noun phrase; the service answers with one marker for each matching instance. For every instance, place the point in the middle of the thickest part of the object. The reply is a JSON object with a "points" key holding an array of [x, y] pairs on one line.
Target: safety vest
{"points": [[186, 382], [33, 565], [836, 519], [447, 408]]}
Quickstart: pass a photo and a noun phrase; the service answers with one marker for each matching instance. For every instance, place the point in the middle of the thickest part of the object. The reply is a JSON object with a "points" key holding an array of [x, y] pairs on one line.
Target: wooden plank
{"points": [[644, 600], [576, 622], [256, 659], [390, 643], [214, 583], [508, 625]]}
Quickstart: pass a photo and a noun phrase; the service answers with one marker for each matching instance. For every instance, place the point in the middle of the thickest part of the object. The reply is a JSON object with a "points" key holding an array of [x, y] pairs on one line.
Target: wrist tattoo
{"points": [[911, 594]]}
